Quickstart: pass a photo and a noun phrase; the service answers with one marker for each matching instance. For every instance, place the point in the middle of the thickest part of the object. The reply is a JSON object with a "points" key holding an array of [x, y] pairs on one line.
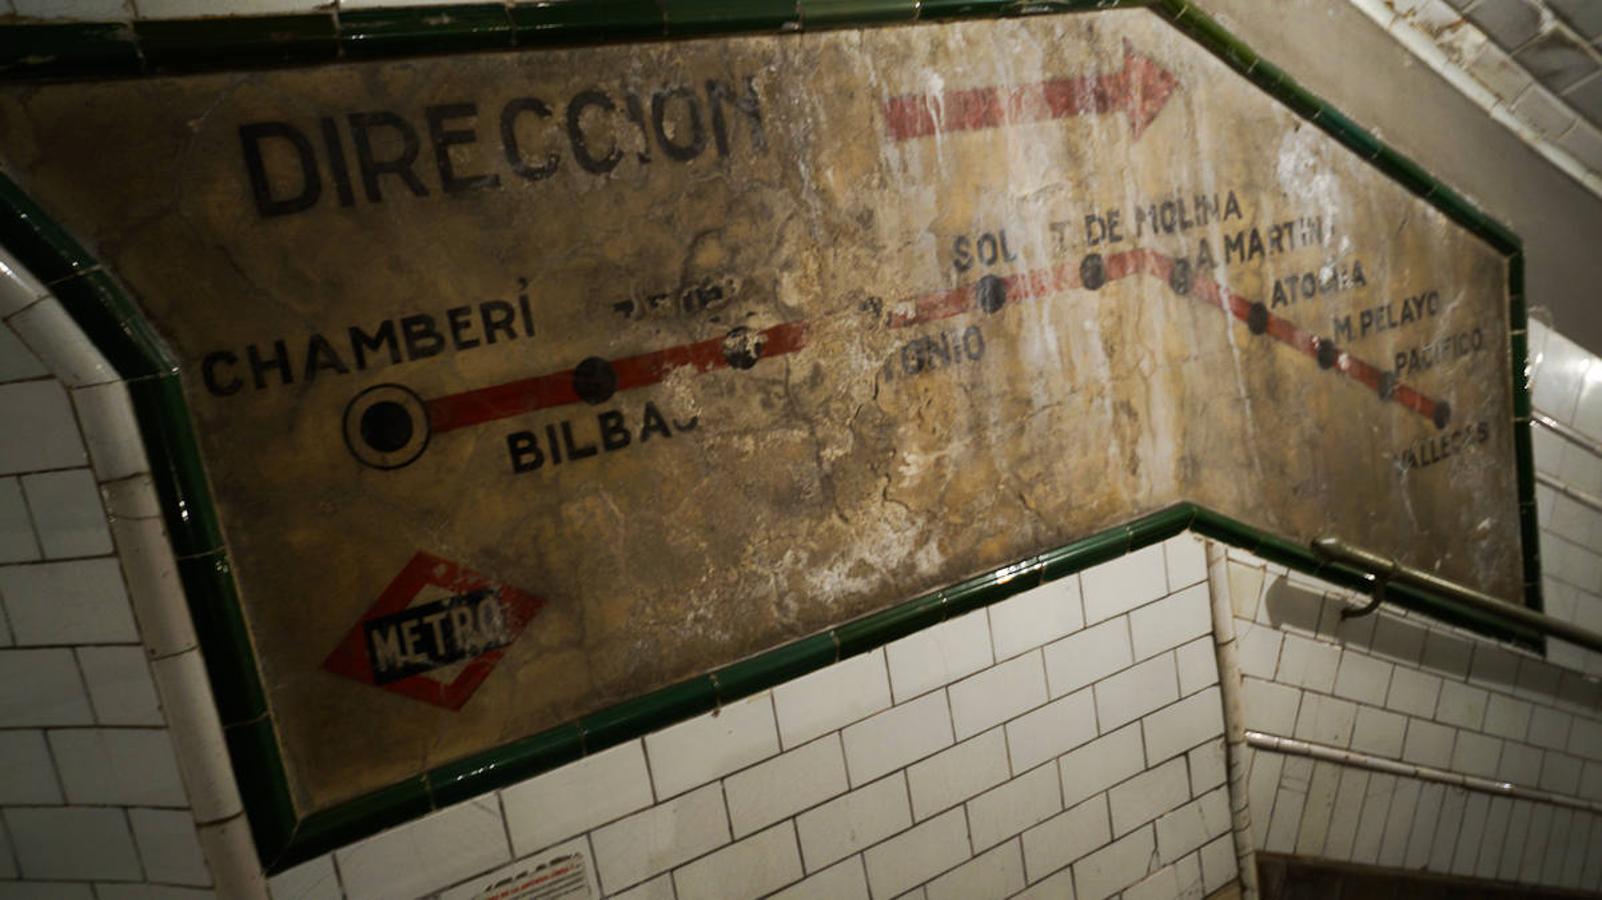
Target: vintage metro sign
{"points": [[435, 633]]}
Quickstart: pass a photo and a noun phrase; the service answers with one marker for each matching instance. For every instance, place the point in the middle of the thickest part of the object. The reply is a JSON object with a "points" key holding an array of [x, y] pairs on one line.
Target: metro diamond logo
{"points": [[435, 633]]}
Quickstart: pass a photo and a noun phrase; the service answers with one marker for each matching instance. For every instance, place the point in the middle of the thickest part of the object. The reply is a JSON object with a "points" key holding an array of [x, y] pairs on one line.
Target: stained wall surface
{"points": [[806, 328]]}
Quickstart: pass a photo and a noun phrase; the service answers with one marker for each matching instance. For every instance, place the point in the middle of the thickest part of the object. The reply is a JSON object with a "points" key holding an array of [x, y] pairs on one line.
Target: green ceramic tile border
{"points": [[112, 321]]}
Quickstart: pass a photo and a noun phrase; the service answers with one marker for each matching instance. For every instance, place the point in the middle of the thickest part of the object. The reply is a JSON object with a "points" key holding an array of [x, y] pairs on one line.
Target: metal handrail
{"points": [[1384, 569]]}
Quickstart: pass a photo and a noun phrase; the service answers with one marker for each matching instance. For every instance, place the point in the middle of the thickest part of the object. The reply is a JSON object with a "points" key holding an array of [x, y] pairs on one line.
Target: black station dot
{"points": [[1257, 319], [1328, 353], [1093, 272], [386, 426], [742, 347], [992, 293], [1179, 277], [594, 380]]}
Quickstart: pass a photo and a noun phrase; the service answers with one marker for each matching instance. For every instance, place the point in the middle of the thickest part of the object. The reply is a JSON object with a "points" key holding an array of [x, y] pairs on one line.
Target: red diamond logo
{"points": [[435, 633]]}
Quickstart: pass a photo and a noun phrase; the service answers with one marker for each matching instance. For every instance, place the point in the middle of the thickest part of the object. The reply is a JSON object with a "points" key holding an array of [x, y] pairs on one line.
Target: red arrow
{"points": [[1141, 89]]}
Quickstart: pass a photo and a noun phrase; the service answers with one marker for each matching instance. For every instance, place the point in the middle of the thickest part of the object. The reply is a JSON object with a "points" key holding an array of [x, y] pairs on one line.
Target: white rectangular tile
{"points": [[41, 432], [1428, 744], [1187, 828], [913, 857], [831, 698], [1136, 691], [67, 513], [896, 737], [1083, 658], [1476, 754], [1518, 834], [1379, 732], [709, 746], [427, 854], [1021, 803], [1466, 853], [1347, 814], [664, 836], [939, 655], [1285, 821], [154, 587], [1036, 617], [1116, 866], [1132, 580], [58, 342], [1462, 705], [1560, 773], [1257, 647], [202, 755], [847, 880], [1326, 720], [1148, 795], [1399, 822], [577, 797], [120, 687], [752, 867], [1549, 728], [1363, 678], [1176, 728], [1489, 855], [1263, 771], [1431, 796], [844, 826], [997, 694], [75, 602], [1102, 763], [120, 766], [952, 776], [1371, 821], [1413, 692], [1051, 730], [1209, 766], [1066, 837], [1186, 558], [1318, 808], [1270, 707], [992, 875], [1218, 864], [1539, 841], [1307, 663], [17, 362], [1448, 826], [73, 843], [1197, 662], [168, 846], [27, 773], [167, 9], [1519, 764], [1171, 621], [110, 431], [786, 784], [18, 543]]}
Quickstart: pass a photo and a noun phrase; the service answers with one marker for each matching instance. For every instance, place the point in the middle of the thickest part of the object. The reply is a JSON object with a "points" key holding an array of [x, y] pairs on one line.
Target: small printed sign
{"points": [[435, 632], [560, 873]]}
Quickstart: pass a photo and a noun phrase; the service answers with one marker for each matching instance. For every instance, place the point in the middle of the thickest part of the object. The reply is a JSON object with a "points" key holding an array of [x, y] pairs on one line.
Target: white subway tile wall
{"points": [[976, 781], [1417, 691], [92, 793]]}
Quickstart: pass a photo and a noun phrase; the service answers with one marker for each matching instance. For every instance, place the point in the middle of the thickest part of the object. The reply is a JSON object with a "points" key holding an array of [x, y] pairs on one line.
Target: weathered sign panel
{"points": [[529, 382]]}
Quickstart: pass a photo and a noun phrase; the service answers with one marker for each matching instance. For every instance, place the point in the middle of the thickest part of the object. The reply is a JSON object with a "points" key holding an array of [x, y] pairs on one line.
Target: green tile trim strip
{"points": [[105, 312]]}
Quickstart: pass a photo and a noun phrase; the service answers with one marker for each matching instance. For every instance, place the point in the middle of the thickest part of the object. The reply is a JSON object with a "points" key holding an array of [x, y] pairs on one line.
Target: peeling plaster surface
{"points": [[846, 306]]}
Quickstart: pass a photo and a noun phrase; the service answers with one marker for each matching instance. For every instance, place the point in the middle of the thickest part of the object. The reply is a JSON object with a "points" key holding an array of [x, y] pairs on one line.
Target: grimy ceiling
{"points": [[529, 382]]}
